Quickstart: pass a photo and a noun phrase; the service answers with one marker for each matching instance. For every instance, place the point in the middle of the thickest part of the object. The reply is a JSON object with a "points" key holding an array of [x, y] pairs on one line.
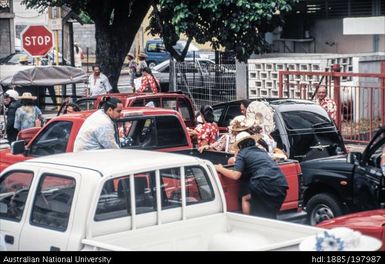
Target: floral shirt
{"points": [[330, 106], [149, 81], [97, 132], [25, 117], [207, 132]]}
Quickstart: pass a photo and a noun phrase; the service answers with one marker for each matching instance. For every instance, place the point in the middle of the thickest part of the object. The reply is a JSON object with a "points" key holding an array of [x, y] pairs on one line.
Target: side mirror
{"points": [[17, 147], [353, 157]]}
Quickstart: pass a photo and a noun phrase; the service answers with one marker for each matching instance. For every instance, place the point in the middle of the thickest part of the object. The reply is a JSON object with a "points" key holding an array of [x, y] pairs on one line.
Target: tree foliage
{"points": [[237, 25], [116, 24]]}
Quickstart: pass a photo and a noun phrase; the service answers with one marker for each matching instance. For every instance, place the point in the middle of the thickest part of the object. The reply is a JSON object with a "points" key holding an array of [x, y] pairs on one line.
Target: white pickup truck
{"points": [[129, 200]]}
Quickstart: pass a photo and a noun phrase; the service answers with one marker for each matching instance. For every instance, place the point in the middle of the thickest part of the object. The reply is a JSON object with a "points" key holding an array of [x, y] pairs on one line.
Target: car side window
{"points": [[218, 113], [52, 140], [53, 201], [198, 186], [86, 104], [115, 198], [14, 189]]}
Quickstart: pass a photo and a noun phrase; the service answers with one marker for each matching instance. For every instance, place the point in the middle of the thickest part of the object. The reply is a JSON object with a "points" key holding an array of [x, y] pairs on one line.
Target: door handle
{"points": [[9, 239]]}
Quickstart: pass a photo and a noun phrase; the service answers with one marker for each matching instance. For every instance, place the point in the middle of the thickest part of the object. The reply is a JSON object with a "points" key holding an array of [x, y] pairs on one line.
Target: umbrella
{"points": [[46, 76]]}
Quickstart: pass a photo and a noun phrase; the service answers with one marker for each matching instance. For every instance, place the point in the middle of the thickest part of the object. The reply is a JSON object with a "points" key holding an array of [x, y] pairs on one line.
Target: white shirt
{"points": [[99, 85], [97, 132]]}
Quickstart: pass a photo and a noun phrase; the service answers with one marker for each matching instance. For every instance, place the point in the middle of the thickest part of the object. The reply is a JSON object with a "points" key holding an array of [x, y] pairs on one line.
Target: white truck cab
{"points": [[128, 200]]}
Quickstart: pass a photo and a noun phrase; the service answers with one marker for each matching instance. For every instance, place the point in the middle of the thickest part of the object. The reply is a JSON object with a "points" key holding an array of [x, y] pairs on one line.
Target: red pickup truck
{"points": [[152, 129], [175, 101]]}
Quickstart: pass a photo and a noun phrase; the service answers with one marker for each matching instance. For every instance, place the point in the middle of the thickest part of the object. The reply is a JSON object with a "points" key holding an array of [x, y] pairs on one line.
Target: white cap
{"points": [[13, 94]]}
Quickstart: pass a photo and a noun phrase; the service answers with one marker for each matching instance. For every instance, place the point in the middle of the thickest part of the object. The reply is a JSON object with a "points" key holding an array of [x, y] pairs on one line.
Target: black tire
{"points": [[321, 207]]}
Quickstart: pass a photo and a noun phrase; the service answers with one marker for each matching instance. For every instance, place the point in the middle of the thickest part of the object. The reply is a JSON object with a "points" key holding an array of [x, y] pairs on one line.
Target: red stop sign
{"points": [[37, 41]]}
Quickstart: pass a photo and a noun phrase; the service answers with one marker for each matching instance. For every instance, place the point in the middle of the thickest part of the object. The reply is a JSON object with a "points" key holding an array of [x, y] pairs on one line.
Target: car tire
{"points": [[321, 207]]}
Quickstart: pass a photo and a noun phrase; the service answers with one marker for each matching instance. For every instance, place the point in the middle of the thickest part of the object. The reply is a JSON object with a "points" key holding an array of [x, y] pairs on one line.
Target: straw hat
{"points": [[27, 96], [142, 55], [243, 136], [239, 124], [262, 115], [23, 59], [130, 55]]}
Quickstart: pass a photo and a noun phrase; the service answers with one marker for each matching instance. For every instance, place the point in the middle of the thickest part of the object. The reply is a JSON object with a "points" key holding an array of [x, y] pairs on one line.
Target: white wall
{"points": [[331, 31], [24, 16]]}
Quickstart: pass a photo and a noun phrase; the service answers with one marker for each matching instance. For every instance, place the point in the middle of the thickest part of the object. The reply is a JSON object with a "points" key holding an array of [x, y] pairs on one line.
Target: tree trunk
{"points": [[115, 30]]}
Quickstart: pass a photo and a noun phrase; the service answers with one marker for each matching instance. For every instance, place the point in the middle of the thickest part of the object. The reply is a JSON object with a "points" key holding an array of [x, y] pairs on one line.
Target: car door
{"points": [[51, 211], [368, 176], [15, 189]]}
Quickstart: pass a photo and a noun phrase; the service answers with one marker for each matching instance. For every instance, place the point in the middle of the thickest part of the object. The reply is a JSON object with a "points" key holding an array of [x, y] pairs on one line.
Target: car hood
{"points": [[367, 219], [332, 162]]}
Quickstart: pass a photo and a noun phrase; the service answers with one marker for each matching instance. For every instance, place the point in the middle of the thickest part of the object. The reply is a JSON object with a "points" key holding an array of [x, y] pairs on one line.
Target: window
{"points": [[169, 103], [52, 205], [14, 189], [156, 101], [185, 109], [156, 47], [295, 120], [141, 133], [218, 113], [171, 188], [115, 199], [52, 140], [232, 111], [170, 132], [87, 104], [138, 102], [198, 187]]}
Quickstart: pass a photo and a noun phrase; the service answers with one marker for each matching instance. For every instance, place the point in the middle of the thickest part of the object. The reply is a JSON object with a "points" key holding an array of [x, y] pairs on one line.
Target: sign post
{"points": [[37, 41]]}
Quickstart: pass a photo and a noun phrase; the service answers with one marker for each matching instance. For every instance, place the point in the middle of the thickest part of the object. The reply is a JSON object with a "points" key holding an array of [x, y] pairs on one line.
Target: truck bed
{"points": [[290, 169], [219, 232]]}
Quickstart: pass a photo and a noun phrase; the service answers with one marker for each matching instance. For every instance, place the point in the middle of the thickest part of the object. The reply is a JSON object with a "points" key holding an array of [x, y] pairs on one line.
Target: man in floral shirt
{"points": [[326, 102]]}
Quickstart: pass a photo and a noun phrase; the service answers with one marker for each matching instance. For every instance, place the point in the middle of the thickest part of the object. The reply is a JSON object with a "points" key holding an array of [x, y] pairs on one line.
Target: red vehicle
{"points": [[175, 101], [371, 223], [152, 129]]}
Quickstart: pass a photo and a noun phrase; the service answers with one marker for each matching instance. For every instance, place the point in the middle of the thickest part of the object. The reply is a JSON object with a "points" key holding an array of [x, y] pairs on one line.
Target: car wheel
{"points": [[151, 64], [322, 207]]}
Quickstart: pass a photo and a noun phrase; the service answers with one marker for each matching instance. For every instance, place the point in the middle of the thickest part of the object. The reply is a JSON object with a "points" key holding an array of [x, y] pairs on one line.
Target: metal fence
{"points": [[360, 102], [206, 82]]}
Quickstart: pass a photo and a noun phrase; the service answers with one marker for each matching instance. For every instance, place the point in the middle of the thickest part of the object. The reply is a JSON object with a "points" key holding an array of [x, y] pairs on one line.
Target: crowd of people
{"points": [[263, 186]]}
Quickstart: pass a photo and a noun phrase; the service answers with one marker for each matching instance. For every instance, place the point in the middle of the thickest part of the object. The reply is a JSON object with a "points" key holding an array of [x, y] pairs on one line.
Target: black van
{"points": [[303, 129]]}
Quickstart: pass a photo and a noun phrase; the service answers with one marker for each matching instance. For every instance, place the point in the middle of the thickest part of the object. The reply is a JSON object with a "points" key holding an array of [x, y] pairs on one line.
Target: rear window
{"points": [[151, 133], [304, 120]]}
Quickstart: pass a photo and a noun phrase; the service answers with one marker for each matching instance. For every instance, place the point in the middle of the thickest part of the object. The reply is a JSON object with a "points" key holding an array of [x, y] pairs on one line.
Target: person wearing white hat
{"points": [[260, 173], [12, 103]]}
